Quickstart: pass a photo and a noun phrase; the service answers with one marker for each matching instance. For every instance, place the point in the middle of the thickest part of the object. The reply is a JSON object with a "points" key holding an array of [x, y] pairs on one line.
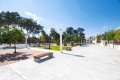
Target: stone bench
{"points": [[39, 56]]}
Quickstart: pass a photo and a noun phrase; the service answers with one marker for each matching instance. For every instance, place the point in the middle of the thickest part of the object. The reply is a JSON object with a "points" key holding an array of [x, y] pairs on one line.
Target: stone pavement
{"points": [[91, 62]]}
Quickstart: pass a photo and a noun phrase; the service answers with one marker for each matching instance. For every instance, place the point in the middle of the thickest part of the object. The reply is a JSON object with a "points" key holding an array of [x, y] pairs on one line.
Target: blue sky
{"points": [[95, 16]]}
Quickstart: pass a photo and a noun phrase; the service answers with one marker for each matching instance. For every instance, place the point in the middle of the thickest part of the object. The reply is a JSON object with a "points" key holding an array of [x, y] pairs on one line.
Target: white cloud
{"points": [[104, 27], [59, 26], [48, 30], [118, 28], [55, 26], [34, 16], [28, 13]]}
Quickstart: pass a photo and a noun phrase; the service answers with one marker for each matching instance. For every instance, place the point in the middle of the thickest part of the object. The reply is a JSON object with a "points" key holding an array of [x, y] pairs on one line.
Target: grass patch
{"points": [[38, 47], [57, 48]]}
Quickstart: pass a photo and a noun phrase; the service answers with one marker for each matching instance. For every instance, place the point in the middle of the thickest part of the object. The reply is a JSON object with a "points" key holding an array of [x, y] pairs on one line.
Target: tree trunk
{"points": [[9, 44], [27, 39], [15, 48], [81, 42], [49, 45], [37, 42], [113, 43]]}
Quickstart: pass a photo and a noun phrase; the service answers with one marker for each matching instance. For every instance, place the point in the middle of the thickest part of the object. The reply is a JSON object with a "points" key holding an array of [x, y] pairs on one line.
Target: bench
{"points": [[38, 57]]}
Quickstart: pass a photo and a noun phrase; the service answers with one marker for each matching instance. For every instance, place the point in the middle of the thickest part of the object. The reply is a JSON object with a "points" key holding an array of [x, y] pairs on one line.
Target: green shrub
{"points": [[65, 44], [72, 44], [38, 46]]}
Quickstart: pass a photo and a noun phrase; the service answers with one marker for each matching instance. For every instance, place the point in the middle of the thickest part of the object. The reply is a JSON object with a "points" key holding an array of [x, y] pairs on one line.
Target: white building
{"points": [[92, 39]]}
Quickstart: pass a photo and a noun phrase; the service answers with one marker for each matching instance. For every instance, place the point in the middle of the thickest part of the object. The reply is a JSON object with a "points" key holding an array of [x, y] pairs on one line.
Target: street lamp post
{"points": [[51, 39], [26, 37], [60, 40]]}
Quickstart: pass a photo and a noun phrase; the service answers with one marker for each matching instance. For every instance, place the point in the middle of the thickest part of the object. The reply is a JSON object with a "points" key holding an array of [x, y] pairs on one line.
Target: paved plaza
{"points": [[90, 62]]}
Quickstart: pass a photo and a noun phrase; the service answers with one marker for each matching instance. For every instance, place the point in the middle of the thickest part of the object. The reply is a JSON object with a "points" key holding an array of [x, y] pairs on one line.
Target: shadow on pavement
{"points": [[87, 45], [13, 57], [45, 59], [73, 55]]}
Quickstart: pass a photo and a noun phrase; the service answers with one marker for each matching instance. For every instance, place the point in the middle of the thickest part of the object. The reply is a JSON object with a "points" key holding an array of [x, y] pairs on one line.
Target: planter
{"points": [[68, 49]]}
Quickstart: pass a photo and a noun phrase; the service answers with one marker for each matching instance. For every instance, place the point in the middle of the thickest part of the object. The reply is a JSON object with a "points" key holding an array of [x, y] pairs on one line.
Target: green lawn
{"points": [[57, 48]]}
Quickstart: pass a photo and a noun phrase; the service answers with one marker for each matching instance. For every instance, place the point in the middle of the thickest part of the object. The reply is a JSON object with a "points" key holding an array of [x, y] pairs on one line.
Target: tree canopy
{"points": [[54, 35], [12, 21], [13, 18], [73, 35], [117, 35], [110, 36]]}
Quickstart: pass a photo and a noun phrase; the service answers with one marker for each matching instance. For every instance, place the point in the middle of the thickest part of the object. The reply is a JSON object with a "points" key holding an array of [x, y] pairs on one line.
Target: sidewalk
{"points": [[91, 62]]}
